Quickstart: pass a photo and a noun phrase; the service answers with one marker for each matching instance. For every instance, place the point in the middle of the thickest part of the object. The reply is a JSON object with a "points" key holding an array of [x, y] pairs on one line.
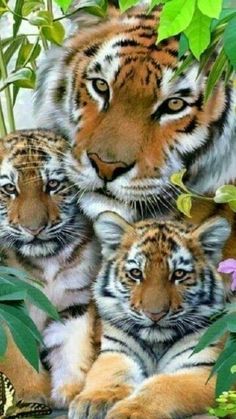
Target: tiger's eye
{"points": [[100, 86], [136, 273], [9, 188], [179, 273], [176, 104], [53, 184]]}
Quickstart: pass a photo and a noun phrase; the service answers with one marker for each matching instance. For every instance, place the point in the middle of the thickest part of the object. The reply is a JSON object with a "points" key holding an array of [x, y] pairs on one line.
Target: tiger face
{"points": [[159, 277], [38, 211], [112, 90]]}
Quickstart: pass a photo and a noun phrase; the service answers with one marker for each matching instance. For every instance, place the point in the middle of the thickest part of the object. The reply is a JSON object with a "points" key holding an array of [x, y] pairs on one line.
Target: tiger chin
{"points": [[43, 232], [156, 292]]}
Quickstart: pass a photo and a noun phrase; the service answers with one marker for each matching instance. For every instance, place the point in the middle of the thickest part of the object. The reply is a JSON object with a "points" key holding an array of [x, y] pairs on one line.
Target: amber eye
{"points": [[176, 104], [136, 274], [53, 184], [9, 188], [179, 273], [100, 86]]}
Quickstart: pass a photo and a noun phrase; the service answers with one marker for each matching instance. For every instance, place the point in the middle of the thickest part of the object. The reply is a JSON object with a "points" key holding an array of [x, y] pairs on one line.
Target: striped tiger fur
{"points": [[157, 292], [43, 233], [111, 89]]}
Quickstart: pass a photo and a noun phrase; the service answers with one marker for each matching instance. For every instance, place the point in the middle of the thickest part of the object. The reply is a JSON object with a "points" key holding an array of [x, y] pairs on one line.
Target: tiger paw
{"points": [[64, 394], [132, 408], [95, 405]]}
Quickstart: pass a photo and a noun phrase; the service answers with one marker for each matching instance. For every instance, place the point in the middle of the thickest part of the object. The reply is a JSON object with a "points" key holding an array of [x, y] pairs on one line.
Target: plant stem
{"points": [[44, 42], [10, 113], [3, 129], [49, 7]]}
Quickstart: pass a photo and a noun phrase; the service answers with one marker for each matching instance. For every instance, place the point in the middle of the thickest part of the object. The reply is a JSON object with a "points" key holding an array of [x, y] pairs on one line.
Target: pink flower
{"points": [[228, 266]]}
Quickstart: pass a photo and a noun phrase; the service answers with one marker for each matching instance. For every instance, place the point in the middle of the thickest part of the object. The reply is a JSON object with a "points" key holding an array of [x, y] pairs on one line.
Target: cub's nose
{"points": [[155, 316], [34, 231], [108, 171]]}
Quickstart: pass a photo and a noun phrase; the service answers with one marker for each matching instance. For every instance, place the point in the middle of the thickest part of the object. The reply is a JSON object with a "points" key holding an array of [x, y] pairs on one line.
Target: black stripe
{"points": [[127, 43], [75, 310], [92, 50]]}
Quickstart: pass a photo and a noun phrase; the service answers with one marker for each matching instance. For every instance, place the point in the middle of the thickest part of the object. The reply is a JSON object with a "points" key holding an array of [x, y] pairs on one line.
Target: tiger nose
{"points": [[108, 171], [34, 231], [155, 316]]}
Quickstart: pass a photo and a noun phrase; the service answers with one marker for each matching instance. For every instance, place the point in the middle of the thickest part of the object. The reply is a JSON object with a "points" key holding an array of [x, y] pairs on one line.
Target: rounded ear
{"points": [[110, 228], [212, 235], [85, 14]]}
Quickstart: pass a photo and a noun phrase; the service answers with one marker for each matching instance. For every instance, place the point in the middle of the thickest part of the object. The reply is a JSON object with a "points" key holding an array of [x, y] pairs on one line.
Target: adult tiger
{"points": [[110, 88]]}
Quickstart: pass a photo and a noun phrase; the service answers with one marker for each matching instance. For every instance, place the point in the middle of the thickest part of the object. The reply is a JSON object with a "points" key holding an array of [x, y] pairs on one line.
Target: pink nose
{"points": [[155, 316], [34, 231]]}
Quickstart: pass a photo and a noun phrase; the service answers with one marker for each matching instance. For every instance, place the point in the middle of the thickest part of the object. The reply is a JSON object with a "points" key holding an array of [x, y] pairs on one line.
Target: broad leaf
{"points": [[225, 379], [54, 33], [175, 18], [213, 333], [17, 16], [230, 42], [183, 45], [211, 8], [225, 193], [127, 4], [3, 341], [198, 33], [64, 4]]}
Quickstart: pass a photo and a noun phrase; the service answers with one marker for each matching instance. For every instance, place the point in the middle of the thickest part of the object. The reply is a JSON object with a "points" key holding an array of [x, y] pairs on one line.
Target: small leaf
{"points": [[198, 33], [127, 4], [64, 4], [24, 77], [184, 204], [233, 369], [54, 33], [40, 18], [3, 341], [229, 41], [225, 193], [216, 73], [183, 45], [177, 179], [175, 17], [31, 6], [211, 8]]}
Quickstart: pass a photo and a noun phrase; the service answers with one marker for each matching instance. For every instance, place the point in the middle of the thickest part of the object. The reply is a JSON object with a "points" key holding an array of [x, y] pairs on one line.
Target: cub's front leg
{"points": [[165, 396], [112, 377], [69, 353]]}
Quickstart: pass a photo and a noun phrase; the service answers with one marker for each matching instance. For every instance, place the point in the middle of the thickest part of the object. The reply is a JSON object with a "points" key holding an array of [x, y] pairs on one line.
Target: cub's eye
{"points": [[176, 104], [136, 274], [178, 274], [100, 86], [53, 184], [9, 188]]}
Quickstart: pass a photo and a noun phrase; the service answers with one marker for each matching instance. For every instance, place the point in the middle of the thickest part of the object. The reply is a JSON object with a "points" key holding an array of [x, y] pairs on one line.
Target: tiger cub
{"points": [[157, 291], [43, 232]]}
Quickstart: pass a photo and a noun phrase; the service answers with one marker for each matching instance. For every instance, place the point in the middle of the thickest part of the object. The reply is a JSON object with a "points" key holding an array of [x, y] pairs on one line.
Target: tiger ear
{"points": [[83, 13], [212, 235], [110, 228]]}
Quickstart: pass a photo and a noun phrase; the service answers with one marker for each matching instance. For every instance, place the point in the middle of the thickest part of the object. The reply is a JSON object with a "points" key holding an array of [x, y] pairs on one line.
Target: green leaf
{"points": [[184, 204], [31, 6], [13, 47], [127, 4], [177, 179], [94, 7], [16, 16], [213, 333], [24, 77], [211, 8], [54, 33], [230, 42], [41, 18], [64, 4], [23, 339], [175, 18], [185, 65], [225, 379], [233, 369], [225, 193], [19, 311], [229, 349], [216, 73], [3, 341], [232, 205], [183, 45], [198, 33]]}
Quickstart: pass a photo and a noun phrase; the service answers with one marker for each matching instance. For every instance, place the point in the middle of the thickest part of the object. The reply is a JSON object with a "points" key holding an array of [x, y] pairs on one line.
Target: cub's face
{"points": [[112, 90], [160, 275], [37, 203]]}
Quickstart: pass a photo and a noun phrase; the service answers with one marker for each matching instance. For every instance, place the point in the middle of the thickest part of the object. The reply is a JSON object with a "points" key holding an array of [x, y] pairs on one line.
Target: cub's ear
{"points": [[213, 234], [109, 228]]}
